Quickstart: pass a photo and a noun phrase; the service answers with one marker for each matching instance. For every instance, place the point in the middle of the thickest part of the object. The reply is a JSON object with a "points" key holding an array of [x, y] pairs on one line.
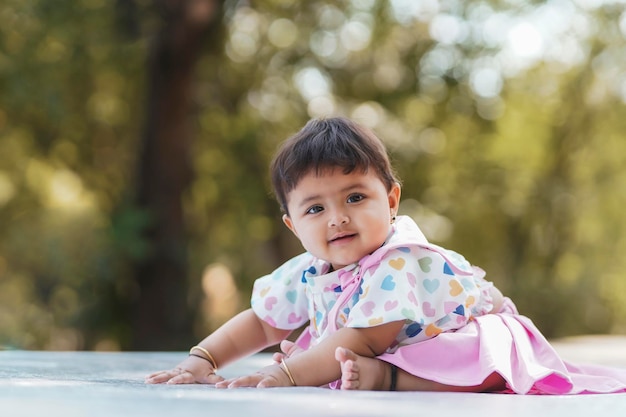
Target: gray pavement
{"points": [[72, 384]]}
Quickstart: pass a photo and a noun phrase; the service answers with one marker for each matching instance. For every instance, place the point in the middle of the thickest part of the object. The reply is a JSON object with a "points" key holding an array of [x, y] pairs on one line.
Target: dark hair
{"points": [[324, 144]]}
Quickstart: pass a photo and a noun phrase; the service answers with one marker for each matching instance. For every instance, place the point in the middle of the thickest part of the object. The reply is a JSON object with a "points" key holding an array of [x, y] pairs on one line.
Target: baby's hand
{"points": [[270, 376], [288, 349], [190, 371]]}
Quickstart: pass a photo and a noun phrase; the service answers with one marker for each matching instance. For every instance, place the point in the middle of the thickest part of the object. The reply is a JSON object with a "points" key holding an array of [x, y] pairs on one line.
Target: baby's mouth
{"points": [[341, 237]]}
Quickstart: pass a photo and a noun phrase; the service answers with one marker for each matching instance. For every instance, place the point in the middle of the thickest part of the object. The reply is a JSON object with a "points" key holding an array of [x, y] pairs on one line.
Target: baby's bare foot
{"points": [[362, 373]]}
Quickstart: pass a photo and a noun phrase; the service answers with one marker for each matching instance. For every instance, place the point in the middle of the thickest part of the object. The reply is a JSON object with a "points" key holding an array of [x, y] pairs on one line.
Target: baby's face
{"points": [[340, 217]]}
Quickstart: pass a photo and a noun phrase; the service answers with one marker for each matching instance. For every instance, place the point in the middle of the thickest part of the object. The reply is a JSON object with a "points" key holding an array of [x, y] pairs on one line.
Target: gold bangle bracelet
{"points": [[288, 372], [206, 352]]}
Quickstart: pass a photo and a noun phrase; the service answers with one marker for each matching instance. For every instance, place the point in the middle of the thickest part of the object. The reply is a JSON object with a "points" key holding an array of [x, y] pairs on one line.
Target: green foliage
{"points": [[513, 157]]}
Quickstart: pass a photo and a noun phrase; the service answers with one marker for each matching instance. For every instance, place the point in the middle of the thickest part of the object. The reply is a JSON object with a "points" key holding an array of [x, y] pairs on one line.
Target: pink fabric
{"points": [[511, 345]]}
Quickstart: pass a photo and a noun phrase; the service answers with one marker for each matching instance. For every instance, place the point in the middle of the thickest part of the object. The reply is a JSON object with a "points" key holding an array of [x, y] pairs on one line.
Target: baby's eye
{"points": [[314, 209], [355, 198]]}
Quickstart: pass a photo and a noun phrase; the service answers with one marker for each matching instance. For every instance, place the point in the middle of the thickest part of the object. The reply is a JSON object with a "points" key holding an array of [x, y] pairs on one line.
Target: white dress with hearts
{"points": [[447, 337], [430, 288]]}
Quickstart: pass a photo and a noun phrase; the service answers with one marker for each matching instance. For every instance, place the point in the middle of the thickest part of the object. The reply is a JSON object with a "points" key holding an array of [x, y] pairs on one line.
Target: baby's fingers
{"points": [[159, 377], [175, 376], [224, 383], [289, 348], [244, 381], [278, 357], [211, 379], [185, 377]]}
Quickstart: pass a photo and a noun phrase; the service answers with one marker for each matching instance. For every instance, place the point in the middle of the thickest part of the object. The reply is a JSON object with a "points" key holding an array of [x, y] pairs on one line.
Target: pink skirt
{"points": [[511, 345]]}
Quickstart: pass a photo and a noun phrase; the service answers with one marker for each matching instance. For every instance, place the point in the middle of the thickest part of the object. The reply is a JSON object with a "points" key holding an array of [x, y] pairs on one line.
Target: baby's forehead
{"points": [[329, 179], [335, 170], [328, 172]]}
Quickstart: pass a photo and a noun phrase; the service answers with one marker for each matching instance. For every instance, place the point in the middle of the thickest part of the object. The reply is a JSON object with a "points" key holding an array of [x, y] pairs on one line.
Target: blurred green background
{"points": [[135, 135]]}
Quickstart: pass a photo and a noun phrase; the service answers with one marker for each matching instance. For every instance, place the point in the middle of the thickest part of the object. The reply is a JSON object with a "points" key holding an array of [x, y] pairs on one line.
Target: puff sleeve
{"points": [[426, 285], [280, 298]]}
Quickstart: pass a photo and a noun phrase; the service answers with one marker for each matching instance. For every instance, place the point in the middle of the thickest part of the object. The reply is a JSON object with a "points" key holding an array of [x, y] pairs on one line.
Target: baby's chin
{"points": [[342, 263]]}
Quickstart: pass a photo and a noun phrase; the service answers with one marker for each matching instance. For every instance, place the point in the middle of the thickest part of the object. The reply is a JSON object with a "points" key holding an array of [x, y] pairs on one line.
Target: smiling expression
{"points": [[340, 217]]}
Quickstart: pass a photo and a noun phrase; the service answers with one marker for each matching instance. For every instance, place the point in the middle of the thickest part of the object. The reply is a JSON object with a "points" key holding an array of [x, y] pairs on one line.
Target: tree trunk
{"points": [[161, 314]]}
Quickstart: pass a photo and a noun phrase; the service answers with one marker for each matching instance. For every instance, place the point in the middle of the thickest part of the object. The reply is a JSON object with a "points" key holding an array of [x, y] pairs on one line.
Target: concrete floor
{"points": [[73, 384]]}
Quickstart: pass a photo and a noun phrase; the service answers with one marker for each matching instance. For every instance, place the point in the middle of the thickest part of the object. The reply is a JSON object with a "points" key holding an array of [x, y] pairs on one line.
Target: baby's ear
{"points": [[289, 224], [394, 196]]}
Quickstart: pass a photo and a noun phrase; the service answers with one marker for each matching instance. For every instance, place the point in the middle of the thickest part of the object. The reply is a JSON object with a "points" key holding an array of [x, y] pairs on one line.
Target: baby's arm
{"points": [[242, 335], [318, 366]]}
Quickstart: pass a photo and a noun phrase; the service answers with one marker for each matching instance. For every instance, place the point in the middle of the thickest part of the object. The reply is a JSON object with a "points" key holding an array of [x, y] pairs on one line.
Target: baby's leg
{"points": [[363, 373]]}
